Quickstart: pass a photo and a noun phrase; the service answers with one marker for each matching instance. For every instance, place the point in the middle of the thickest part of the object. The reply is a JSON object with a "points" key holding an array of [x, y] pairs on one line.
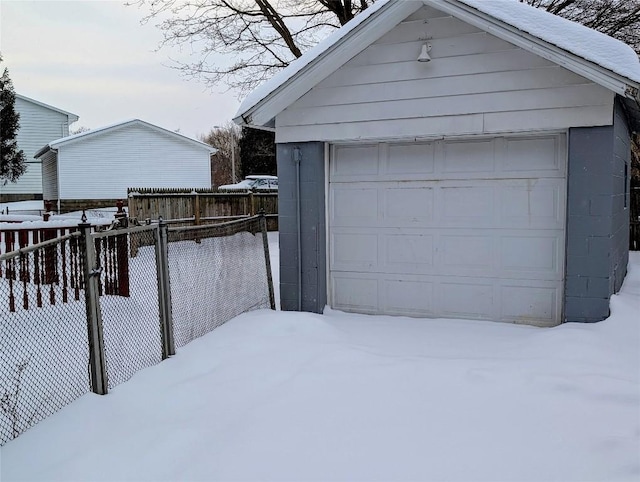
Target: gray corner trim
{"points": [[303, 269]]}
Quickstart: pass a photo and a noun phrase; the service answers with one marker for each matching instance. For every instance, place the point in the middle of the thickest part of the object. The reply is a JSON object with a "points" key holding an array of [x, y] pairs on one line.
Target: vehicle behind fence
{"points": [[83, 312]]}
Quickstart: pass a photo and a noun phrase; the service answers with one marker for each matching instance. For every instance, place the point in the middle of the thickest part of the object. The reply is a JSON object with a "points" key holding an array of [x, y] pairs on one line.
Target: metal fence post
{"points": [[267, 258], [164, 289], [97, 362]]}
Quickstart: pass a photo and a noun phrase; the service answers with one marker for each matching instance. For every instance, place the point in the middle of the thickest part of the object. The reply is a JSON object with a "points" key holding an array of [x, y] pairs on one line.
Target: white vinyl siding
{"points": [[451, 228], [39, 125], [475, 84], [104, 165], [49, 176], [29, 183]]}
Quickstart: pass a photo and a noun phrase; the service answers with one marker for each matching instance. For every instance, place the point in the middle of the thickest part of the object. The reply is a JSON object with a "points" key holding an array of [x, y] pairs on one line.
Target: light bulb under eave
{"points": [[424, 53]]}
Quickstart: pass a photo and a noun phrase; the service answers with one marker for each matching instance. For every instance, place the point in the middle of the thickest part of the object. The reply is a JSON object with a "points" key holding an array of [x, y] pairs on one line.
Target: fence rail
{"points": [[202, 206], [182, 283]]}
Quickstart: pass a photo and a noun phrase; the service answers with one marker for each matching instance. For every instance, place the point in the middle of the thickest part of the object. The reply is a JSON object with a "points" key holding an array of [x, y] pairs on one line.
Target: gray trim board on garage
{"points": [[313, 226]]}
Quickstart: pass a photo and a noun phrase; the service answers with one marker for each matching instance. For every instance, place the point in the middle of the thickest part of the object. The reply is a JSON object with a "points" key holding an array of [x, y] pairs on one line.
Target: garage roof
{"points": [[591, 54]]}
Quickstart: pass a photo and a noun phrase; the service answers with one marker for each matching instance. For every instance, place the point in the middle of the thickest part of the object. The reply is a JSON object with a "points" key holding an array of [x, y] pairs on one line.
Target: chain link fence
{"points": [[44, 353], [130, 321], [86, 311], [217, 272]]}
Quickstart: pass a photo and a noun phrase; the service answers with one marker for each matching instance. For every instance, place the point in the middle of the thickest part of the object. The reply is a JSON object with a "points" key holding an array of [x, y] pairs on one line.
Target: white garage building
{"points": [[489, 182]]}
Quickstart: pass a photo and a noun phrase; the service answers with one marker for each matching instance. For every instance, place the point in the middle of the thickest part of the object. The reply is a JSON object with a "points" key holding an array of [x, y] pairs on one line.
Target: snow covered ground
{"points": [[296, 396]]}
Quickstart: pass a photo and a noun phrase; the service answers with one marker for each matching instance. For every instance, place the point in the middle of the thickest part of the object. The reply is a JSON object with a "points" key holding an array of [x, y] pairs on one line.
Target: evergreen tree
{"points": [[12, 161], [258, 152]]}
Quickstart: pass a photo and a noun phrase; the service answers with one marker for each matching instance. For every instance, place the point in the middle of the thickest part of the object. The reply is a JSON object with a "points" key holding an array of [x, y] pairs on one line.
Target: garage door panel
{"points": [[354, 252], [469, 157], [526, 304], [490, 253], [468, 206], [355, 293], [354, 207], [356, 161], [408, 161], [466, 254], [408, 206], [406, 296], [465, 299], [542, 259], [534, 156], [407, 253], [533, 204]]}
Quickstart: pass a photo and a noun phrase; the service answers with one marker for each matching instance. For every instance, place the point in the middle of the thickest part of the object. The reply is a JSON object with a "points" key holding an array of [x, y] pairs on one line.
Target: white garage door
{"points": [[456, 229]]}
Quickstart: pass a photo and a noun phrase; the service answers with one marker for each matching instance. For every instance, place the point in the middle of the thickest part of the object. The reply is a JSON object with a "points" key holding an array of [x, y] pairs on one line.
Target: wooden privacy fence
{"points": [[202, 206]]}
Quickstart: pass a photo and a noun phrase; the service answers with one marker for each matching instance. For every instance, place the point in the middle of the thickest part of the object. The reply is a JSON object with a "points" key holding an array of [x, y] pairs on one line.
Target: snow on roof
{"points": [[297, 65], [73, 117], [64, 140], [573, 37], [584, 42]]}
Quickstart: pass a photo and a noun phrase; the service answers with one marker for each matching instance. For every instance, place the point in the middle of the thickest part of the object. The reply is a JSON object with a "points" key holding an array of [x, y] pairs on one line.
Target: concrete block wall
{"points": [[621, 180], [10, 198], [313, 241], [597, 219]]}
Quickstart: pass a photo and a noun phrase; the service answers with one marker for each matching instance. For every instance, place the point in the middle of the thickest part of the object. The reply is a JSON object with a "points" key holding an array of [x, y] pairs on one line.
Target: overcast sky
{"points": [[94, 59]]}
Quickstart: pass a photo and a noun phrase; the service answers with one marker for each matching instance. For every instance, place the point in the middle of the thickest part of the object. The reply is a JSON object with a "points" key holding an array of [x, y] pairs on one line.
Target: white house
{"points": [[95, 168], [39, 124]]}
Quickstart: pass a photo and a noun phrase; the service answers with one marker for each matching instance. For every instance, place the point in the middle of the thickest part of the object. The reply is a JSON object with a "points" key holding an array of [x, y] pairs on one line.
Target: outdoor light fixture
{"points": [[424, 53]]}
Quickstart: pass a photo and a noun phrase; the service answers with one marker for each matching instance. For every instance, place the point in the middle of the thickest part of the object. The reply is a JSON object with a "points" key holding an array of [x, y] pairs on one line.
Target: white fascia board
{"points": [[41, 152], [337, 55], [594, 72]]}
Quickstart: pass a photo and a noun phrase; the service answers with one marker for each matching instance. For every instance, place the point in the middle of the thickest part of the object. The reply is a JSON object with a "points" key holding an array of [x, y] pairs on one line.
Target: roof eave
{"points": [[43, 151], [263, 113], [71, 117], [594, 72], [101, 130]]}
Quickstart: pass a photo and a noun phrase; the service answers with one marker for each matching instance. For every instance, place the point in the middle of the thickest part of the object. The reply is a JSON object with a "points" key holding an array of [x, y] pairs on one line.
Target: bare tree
{"points": [[264, 36], [617, 18], [226, 139], [79, 130]]}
